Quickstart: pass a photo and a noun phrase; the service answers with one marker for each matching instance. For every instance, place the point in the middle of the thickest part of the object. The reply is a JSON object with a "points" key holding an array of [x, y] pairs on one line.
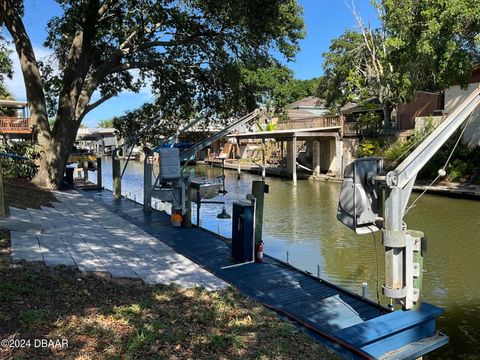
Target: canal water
{"points": [[301, 220]]}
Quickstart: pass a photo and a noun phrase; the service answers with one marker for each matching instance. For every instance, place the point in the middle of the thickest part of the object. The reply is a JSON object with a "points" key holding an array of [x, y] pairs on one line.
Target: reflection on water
{"points": [[302, 220]]}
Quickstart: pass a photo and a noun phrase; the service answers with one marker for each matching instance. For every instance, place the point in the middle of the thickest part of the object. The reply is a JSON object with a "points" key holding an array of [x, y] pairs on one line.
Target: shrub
{"points": [[20, 168], [370, 147]]}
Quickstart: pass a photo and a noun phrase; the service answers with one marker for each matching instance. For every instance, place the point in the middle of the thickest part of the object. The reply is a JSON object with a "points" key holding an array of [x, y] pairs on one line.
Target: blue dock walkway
{"points": [[323, 309]]}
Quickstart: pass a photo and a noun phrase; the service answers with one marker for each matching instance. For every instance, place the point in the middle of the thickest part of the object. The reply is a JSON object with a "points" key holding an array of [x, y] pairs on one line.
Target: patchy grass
{"points": [[22, 193], [105, 319], [101, 318]]}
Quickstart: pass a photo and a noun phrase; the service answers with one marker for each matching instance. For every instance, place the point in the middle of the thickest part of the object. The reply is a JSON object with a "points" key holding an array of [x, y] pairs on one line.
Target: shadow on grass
{"points": [[22, 193], [101, 318]]}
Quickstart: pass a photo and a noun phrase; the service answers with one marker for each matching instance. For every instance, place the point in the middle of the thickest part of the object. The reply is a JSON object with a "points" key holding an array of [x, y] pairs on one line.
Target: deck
{"points": [[326, 311], [14, 125]]}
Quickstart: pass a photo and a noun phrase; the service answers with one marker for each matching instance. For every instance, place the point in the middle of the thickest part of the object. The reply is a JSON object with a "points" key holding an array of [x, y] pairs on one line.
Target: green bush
{"points": [[370, 147], [271, 127], [20, 168]]}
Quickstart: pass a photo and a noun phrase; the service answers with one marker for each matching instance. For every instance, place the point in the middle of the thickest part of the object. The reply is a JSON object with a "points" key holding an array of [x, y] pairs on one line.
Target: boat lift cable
{"points": [[133, 139], [441, 171]]}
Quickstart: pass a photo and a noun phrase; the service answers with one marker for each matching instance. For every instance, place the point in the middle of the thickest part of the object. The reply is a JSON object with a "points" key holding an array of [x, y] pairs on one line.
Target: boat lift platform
{"points": [[354, 327]]}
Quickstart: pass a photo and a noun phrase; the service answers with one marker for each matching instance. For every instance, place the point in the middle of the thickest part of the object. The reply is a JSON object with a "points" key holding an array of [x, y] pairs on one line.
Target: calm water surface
{"points": [[302, 220]]}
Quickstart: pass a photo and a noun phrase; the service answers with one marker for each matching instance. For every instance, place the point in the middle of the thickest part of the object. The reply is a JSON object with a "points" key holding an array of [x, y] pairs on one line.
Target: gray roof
{"points": [[310, 102]]}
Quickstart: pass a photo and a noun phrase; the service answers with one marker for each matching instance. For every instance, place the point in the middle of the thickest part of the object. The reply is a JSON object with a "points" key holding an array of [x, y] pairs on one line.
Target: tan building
{"points": [[454, 95]]}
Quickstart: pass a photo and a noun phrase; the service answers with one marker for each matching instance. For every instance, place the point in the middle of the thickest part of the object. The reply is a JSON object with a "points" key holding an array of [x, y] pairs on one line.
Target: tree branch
{"points": [[97, 103]]}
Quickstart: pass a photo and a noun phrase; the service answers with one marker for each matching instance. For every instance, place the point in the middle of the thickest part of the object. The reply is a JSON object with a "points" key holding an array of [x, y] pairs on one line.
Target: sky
{"points": [[324, 19]]}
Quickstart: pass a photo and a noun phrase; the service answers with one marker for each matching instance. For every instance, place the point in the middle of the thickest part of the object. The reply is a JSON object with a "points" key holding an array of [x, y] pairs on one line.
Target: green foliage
{"points": [[271, 127], [368, 124], [293, 90], [20, 168], [105, 123], [435, 42], [463, 166], [199, 56], [6, 71], [392, 150], [370, 147]]}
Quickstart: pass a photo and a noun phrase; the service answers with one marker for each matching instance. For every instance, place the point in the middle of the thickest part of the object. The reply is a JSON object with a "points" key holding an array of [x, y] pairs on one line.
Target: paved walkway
{"points": [[80, 232]]}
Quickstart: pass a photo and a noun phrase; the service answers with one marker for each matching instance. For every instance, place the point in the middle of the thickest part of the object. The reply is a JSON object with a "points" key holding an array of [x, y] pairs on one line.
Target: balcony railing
{"points": [[311, 122], [14, 125]]}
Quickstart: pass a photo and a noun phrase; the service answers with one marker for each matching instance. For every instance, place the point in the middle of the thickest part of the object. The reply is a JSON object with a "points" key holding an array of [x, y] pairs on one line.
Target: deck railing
{"points": [[14, 124], [311, 122]]}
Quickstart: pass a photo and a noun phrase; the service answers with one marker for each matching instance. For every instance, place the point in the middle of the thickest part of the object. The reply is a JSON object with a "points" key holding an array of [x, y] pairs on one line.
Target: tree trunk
{"points": [[57, 143], [54, 157], [387, 116]]}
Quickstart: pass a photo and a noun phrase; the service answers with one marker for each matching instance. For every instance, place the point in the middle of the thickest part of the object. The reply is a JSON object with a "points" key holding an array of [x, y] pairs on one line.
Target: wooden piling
{"points": [[99, 172], [147, 184], [263, 160], [258, 192], [117, 179], [187, 219], [85, 170]]}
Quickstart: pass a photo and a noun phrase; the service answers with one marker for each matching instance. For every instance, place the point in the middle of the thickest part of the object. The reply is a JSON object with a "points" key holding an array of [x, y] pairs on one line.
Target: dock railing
{"points": [[14, 124]]}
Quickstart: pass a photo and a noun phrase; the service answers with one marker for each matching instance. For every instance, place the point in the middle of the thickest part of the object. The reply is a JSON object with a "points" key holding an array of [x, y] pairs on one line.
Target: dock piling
{"points": [[318, 271], [99, 172], [147, 183], [364, 290], [288, 262], [85, 170], [117, 179]]}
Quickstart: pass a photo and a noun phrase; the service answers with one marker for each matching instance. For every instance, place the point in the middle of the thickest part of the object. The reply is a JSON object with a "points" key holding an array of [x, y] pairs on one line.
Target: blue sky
{"points": [[325, 20]]}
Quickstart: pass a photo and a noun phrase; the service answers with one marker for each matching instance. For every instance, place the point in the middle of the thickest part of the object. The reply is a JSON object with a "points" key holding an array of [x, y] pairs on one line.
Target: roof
{"points": [[310, 102], [331, 131], [302, 114], [13, 103]]}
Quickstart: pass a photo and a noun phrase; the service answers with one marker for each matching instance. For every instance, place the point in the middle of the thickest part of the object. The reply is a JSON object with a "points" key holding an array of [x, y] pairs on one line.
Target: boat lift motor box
{"points": [[169, 164], [243, 231]]}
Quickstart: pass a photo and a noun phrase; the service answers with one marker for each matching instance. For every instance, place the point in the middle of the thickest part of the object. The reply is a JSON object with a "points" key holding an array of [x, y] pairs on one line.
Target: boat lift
{"points": [[171, 185], [372, 200]]}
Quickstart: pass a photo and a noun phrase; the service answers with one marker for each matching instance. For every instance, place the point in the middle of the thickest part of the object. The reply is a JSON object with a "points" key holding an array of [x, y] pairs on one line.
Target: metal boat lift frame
{"points": [[179, 187]]}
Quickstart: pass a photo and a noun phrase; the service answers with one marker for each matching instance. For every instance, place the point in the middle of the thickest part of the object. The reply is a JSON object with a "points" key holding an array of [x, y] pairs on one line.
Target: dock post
{"points": [[318, 271], [85, 170], [259, 188], [2, 199], [263, 160], [117, 179], [187, 219], [364, 290], [147, 184], [99, 172], [239, 170]]}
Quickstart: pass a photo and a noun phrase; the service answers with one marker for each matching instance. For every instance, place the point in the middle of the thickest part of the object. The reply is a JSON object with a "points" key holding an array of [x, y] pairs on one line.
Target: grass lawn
{"points": [[101, 318]]}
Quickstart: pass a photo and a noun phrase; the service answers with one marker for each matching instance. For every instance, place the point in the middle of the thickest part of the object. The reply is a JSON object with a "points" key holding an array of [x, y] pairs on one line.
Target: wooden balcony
{"points": [[14, 125], [312, 122]]}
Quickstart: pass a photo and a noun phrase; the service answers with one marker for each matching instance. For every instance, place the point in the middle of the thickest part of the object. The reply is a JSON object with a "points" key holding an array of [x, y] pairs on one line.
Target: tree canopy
{"points": [[419, 45], [437, 42], [194, 54], [108, 123]]}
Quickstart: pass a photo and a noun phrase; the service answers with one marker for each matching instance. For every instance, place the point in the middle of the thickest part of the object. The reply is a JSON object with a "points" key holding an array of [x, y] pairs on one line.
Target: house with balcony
{"points": [[14, 120]]}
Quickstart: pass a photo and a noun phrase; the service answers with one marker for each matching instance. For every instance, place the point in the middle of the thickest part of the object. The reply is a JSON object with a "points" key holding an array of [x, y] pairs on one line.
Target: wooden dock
{"points": [[324, 310]]}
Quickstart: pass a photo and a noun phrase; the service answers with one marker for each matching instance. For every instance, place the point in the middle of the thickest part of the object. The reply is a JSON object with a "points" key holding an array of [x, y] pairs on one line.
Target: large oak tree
{"points": [[191, 52]]}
